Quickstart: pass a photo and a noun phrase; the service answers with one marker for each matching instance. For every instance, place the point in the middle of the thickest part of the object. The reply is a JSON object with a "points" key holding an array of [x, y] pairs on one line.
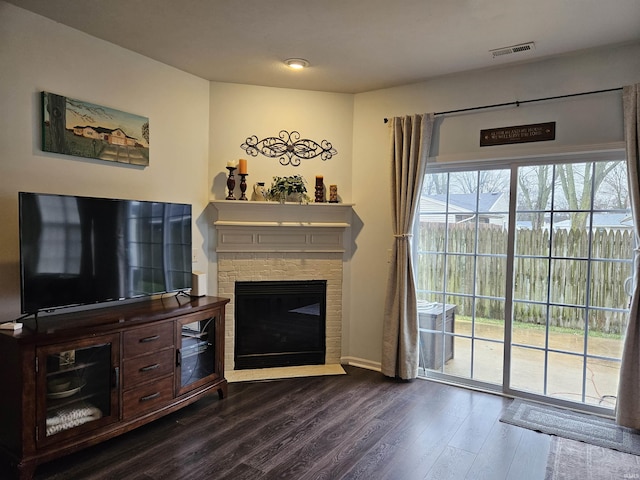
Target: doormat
{"points": [[582, 427], [570, 459], [277, 373]]}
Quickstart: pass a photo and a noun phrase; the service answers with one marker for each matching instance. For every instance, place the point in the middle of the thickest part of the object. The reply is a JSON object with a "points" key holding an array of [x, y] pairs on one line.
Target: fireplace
{"points": [[270, 242], [280, 323]]}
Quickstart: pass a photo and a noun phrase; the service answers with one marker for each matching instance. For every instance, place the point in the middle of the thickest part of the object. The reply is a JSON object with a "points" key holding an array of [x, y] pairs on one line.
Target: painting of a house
{"points": [[104, 134]]}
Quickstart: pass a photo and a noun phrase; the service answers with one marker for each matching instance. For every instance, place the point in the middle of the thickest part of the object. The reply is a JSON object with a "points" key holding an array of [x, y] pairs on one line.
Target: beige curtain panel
{"points": [[410, 142], [628, 404]]}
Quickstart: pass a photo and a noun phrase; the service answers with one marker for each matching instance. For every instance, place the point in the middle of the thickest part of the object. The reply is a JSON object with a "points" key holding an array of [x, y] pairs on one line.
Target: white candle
{"points": [[231, 163]]}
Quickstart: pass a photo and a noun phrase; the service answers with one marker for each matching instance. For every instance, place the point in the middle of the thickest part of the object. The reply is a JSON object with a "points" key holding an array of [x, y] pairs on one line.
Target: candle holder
{"points": [[243, 186], [231, 183], [319, 190], [333, 194]]}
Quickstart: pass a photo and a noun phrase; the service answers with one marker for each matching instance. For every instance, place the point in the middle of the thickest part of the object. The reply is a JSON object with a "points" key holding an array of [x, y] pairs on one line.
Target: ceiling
{"points": [[353, 46]]}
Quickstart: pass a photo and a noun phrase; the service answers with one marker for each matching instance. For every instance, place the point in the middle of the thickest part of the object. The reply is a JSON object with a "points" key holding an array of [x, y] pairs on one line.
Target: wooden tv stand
{"points": [[76, 379]]}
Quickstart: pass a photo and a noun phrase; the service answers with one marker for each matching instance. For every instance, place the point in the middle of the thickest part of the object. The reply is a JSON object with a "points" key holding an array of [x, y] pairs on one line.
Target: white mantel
{"points": [[246, 226]]}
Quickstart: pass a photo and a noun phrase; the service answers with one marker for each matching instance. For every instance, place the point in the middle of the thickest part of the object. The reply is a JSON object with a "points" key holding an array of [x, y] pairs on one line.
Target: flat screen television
{"points": [[82, 250]]}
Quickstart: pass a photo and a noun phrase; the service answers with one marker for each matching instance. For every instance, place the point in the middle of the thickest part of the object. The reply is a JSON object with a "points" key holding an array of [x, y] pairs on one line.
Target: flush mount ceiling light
{"points": [[296, 63]]}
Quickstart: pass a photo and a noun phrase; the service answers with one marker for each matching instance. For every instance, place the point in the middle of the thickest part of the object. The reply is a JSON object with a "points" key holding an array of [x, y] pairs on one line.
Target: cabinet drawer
{"points": [[148, 339], [146, 398], [148, 367]]}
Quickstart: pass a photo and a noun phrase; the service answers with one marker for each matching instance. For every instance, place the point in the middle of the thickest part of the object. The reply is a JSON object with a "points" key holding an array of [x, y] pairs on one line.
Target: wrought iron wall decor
{"points": [[289, 148]]}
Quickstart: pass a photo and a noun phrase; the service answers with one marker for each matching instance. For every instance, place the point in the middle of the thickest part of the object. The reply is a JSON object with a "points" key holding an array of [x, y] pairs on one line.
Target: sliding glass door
{"points": [[462, 245], [521, 275]]}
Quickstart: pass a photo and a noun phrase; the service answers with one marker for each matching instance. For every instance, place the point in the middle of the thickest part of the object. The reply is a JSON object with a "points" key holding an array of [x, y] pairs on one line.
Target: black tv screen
{"points": [[83, 250]]}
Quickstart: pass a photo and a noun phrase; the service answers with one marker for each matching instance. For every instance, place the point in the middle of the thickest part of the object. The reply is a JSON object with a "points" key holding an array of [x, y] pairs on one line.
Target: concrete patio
{"points": [[565, 371]]}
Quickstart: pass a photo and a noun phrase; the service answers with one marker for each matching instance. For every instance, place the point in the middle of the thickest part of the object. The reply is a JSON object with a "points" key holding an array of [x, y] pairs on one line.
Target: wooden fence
{"points": [[610, 250]]}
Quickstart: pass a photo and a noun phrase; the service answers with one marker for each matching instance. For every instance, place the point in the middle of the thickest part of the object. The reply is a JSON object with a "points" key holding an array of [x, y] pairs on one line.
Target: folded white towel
{"points": [[67, 418]]}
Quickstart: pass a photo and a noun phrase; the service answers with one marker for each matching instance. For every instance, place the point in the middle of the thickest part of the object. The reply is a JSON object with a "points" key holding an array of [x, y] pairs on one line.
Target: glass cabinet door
{"points": [[197, 363], [77, 387]]}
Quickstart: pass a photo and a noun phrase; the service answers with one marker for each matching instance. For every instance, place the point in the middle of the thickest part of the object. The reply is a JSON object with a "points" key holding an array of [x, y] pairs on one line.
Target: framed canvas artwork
{"points": [[82, 129]]}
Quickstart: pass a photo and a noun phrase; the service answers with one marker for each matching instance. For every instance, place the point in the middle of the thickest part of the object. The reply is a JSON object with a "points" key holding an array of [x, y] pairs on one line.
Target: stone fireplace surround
{"points": [[270, 241]]}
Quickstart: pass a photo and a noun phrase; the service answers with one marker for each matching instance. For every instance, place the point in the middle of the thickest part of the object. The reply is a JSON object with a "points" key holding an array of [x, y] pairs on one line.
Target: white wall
{"points": [[38, 54], [579, 122], [240, 111]]}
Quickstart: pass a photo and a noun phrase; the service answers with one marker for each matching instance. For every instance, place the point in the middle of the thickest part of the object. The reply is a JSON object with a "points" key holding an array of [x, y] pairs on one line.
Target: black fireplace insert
{"points": [[280, 323]]}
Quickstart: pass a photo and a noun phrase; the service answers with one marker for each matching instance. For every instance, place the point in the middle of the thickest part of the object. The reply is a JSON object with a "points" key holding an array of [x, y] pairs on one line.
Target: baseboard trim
{"points": [[362, 363]]}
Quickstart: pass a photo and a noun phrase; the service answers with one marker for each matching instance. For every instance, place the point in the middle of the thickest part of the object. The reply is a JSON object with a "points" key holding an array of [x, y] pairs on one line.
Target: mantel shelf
{"points": [[282, 224], [274, 214], [248, 204], [245, 226]]}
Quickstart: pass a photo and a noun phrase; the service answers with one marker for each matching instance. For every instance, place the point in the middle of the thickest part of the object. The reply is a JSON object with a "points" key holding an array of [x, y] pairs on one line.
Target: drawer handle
{"points": [[150, 397], [149, 339], [150, 367]]}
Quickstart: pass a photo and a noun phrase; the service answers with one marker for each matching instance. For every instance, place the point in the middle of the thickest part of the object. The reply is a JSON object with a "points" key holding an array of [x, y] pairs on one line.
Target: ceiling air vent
{"points": [[521, 48]]}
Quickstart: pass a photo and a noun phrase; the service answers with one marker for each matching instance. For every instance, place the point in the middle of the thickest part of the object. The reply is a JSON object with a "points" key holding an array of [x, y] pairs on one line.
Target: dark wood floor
{"points": [[355, 426]]}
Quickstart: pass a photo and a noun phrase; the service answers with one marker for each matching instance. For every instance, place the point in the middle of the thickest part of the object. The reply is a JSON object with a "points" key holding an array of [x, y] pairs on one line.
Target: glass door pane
{"points": [[461, 252], [197, 359], [78, 386], [573, 251]]}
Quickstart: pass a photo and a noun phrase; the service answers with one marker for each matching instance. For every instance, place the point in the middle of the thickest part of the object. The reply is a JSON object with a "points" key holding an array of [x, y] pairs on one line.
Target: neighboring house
{"points": [[113, 137], [605, 221], [491, 208]]}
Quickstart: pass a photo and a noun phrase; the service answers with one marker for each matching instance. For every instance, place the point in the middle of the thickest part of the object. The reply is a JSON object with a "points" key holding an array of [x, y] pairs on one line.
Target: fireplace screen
{"points": [[280, 323]]}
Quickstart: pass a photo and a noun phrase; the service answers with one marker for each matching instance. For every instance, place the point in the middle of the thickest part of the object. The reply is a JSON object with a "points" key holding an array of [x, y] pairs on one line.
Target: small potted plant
{"points": [[291, 188]]}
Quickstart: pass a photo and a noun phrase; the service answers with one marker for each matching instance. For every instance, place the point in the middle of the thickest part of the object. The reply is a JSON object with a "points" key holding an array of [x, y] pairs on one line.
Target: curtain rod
{"points": [[517, 103]]}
